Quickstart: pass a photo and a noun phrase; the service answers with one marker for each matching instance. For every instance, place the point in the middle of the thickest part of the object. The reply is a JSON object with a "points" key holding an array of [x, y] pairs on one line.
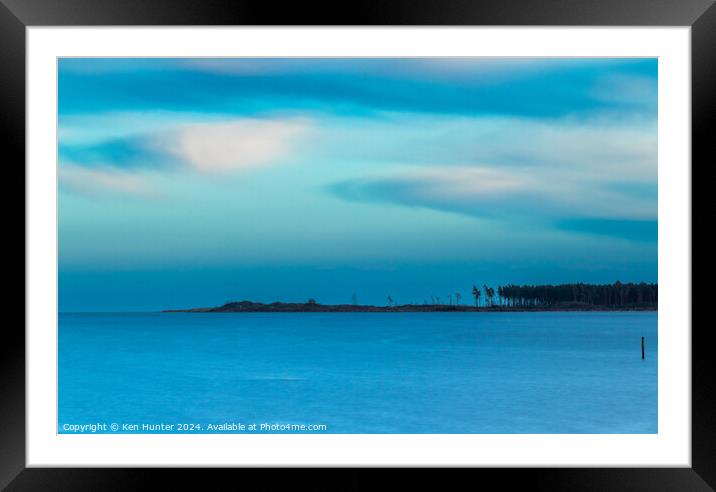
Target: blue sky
{"points": [[190, 182]]}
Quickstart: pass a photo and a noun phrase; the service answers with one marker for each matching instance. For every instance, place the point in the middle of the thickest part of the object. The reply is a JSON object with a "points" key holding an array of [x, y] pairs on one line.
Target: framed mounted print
{"points": [[416, 238]]}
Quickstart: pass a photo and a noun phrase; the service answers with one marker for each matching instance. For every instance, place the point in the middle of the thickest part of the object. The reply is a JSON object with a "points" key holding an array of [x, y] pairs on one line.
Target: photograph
{"points": [[357, 245], [413, 235]]}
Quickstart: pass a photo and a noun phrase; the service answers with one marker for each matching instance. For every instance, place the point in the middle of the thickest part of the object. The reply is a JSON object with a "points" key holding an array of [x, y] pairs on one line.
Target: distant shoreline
{"points": [[314, 307]]}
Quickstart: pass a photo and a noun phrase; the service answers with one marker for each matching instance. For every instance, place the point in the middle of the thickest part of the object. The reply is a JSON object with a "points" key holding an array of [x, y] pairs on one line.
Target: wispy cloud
{"points": [[527, 87], [456, 188], [605, 146], [208, 148], [573, 174], [627, 90], [99, 182], [517, 195]]}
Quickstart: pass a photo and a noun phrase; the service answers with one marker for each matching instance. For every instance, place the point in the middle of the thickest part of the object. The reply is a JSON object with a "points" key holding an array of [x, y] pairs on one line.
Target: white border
{"points": [[670, 447]]}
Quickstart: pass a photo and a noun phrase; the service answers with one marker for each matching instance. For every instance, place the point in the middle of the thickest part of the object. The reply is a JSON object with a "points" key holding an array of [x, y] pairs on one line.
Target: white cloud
{"points": [[209, 147], [469, 181], [234, 145]]}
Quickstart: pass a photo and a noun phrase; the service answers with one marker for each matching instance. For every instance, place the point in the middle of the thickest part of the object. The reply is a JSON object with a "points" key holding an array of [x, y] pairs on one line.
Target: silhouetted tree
{"points": [[476, 295], [489, 294]]}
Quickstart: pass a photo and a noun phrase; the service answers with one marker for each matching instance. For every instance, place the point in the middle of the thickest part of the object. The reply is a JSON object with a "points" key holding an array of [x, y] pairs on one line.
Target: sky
{"points": [[192, 182]]}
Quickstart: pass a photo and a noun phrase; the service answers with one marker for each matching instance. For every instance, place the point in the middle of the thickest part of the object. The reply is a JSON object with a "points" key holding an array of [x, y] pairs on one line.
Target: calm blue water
{"points": [[361, 373]]}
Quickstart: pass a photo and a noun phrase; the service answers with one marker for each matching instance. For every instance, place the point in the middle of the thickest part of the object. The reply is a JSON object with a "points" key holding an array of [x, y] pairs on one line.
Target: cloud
{"points": [[134, 152], [607, 147], [518, 195], [627, 89], [235, 145], [463, 189], [123, 165], [83, 130], [454, 69], [527, 87], [103, 180], [556, 173], [220, 147]]}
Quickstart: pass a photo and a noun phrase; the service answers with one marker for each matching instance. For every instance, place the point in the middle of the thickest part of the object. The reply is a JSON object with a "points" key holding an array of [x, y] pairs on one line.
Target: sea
{"points": [[358, 373]]}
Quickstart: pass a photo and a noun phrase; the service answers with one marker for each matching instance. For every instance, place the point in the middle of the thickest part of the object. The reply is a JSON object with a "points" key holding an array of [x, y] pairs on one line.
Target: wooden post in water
{"points": [[642, 347]]}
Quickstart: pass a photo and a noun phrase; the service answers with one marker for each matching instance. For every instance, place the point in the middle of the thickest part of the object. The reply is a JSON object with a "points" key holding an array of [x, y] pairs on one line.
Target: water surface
{"points": [[543, 372]]}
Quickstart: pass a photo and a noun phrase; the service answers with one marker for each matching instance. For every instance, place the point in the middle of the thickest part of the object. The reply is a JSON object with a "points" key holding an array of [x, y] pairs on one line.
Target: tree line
{"points": [[616, 295]]}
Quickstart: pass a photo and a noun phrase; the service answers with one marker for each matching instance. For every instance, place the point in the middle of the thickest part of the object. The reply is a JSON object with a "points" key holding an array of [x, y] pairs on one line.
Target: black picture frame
{"points": [[16, 15]]}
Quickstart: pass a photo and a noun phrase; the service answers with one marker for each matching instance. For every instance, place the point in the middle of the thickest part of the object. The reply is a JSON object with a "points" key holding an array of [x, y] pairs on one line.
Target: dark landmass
{"points": [[314, 307], [506, 298]]}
